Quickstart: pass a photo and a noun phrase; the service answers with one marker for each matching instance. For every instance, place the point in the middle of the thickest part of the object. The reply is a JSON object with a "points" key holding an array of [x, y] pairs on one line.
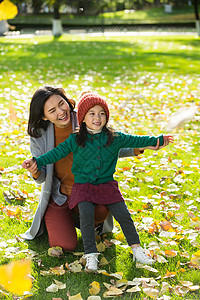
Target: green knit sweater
{"points": [[95, 163]]}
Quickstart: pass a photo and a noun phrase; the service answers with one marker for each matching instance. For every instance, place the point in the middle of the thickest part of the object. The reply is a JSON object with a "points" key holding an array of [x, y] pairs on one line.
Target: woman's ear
{"points": [[44, 118]]}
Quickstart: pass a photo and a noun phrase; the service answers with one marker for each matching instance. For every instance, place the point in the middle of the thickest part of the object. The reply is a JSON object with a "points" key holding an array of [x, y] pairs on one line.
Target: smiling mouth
{"points": [[63, 118]]}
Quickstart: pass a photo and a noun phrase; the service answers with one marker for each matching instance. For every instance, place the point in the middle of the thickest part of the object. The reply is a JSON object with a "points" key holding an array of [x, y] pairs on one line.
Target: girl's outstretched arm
{"points": [[166, 138]]}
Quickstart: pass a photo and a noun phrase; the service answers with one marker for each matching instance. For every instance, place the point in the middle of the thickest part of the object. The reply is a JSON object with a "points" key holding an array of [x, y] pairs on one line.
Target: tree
{"points": [[57, 28], [196, 12]]}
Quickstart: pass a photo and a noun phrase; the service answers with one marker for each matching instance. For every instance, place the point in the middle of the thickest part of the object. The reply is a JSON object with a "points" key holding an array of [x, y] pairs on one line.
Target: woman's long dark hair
{"points": [[36, 110], [81, 135]]}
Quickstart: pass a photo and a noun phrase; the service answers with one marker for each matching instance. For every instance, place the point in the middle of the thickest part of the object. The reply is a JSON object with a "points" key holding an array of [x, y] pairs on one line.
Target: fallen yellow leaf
{"points": [[57, 270], [103, 262], [170, 253], [165, 225], [151, 292], [197, 253], [181, 270], [76, 297], [170, 274], [14, 277], [95, 288], [113, 291], [55, 251], [101, 247]]}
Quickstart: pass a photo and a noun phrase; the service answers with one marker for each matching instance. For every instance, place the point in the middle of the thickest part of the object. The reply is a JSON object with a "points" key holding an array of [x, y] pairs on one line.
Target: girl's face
{"points": [[57, 111], [95, 118]]}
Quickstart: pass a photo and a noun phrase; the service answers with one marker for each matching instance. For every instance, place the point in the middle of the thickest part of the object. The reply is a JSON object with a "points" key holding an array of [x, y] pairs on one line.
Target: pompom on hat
{"points": [[87, 101]]}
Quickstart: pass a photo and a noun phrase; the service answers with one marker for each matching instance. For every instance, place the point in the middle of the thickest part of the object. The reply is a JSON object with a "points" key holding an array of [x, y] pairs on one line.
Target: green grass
{"points": [[145, 80], [153, 15]]}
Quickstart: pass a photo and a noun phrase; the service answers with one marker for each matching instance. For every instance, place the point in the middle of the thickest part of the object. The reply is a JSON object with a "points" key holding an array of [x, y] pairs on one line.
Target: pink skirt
{"points": [[103, 193]]}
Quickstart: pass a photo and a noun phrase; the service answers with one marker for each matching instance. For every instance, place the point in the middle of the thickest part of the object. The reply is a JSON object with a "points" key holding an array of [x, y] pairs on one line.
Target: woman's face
{"points": [[57, 111]]}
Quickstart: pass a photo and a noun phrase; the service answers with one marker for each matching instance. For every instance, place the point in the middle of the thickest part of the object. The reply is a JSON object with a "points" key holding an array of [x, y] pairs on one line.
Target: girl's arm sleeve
{"points": [[140, 141], [54, 155], [126, 152]]}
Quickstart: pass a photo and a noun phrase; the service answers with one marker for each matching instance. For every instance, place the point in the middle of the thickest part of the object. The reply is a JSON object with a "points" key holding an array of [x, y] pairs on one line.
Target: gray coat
{"points": [[50, 184]]}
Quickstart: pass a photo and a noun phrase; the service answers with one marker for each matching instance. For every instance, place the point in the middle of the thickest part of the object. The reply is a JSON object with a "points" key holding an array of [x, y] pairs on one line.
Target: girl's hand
{"points": [[30, 165], [166, 138]]}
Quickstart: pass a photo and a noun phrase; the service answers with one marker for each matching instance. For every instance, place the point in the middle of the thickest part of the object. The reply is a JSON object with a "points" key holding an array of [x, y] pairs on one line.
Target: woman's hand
{"points": [[166, 140], [30, 165]]}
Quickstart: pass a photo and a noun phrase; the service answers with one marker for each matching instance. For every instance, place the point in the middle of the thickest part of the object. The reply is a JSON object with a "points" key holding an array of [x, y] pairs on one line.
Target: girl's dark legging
{"points": [[120, 212], [60, 222]]}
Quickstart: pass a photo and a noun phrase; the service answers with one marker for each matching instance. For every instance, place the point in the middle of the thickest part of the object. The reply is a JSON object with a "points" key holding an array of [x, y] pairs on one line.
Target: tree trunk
{"points": [[57, 29], [196, 9], [3, 27], [157, 3], [56, 13], [196, 12]]}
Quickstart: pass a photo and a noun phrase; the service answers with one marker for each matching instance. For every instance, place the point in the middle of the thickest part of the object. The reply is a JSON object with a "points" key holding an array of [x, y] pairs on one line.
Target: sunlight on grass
{"points": [[145, 80]]}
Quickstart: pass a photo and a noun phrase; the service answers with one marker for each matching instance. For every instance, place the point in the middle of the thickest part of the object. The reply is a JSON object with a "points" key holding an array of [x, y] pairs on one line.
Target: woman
{"points": [[52, 119]]}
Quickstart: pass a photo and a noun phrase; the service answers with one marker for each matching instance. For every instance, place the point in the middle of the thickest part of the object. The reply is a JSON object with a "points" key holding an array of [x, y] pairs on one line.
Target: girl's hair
{"points": [[81, 135], [36, 110]]}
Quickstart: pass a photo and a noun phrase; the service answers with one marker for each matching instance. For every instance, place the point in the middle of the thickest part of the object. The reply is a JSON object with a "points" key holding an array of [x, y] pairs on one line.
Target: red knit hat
{"points": [[87, 101]]}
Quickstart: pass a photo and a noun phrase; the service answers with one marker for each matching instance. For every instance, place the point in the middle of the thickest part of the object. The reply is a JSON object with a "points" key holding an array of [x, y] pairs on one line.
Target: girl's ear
{"points": [[44, 118]]}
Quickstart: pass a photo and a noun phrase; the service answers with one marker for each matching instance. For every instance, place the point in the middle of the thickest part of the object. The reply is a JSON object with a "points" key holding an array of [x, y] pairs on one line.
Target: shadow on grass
{"points": [[80, 57]]}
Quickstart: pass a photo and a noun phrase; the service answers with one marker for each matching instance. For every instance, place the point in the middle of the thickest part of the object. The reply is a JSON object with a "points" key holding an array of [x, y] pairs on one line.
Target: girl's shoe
{"points": [[91, 262], [141, 257]]}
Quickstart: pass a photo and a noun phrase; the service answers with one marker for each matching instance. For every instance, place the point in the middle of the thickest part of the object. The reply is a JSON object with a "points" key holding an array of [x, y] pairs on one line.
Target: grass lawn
{"points": [[182, 14], [145, 80]]}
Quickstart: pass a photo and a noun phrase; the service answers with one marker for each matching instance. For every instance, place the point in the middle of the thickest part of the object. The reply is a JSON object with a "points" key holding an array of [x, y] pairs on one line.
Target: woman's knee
{"points": [[65, 244], [101, 213]]}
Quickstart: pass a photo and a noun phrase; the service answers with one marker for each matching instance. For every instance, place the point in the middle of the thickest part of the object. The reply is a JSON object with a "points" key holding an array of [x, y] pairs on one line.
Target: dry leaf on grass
{"points": [[134, 289], [74, 267], [121, 282], [53, 288], [197, 254], [103, 262], [55, 251], [113, 291], [95, 288], [75, 297], [171, 253], [170, 274], [101, 247], [118, 275], [58, 270], [60, 285], [94, 298], [166, 225], [160, 259], [151, 292], [141, 266]]}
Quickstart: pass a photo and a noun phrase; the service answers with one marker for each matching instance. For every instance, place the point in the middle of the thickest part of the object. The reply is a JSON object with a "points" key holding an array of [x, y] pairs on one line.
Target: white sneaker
{"points": [[140, 256], [91, 262]]}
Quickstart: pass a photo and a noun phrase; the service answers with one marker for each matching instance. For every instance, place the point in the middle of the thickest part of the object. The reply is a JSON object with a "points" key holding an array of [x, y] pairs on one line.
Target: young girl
{"points": [[95, 149]]}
